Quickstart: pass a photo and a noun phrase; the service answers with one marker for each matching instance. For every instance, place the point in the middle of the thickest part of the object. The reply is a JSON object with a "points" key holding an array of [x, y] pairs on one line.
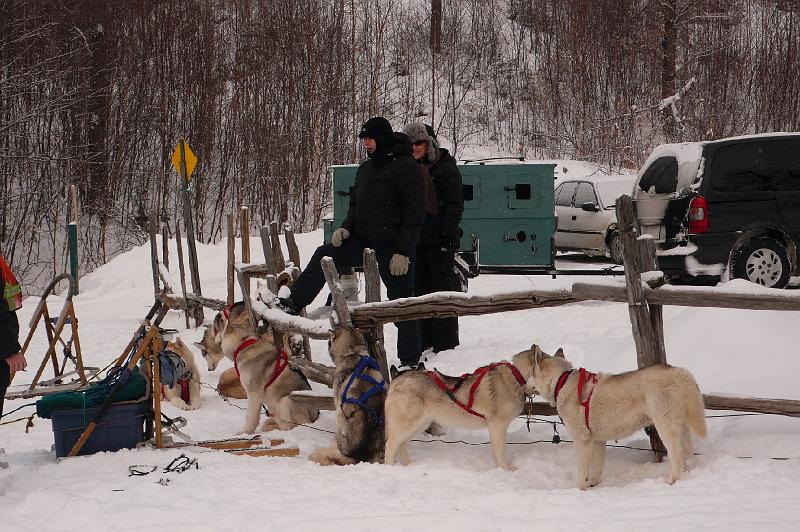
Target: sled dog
{"points": [[186, 393], [263, 372], [597, 408], [359, 392], [491, 397]]}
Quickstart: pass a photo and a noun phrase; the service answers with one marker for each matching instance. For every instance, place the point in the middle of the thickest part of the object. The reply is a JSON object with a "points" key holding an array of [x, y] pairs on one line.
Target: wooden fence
{"points": [[644, 290]]}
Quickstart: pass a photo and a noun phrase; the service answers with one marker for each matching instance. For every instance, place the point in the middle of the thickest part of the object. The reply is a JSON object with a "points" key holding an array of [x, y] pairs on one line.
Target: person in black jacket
{"points": [[11, 360], [439, 238], [385, 214]]}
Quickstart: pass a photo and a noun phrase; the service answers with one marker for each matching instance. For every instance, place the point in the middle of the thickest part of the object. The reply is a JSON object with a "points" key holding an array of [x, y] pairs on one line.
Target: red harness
{"points": [[480, 372], [280, 364], [184, 390], [583, 377]]}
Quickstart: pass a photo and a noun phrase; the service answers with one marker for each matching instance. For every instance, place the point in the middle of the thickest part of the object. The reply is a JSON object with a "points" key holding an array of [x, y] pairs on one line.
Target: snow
{"points": [[746, 474]]}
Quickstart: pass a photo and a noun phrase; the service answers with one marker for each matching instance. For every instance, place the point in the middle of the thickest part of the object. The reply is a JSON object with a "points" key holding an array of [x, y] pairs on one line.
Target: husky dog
{"points": [[186, 394], [358, 393], [264, 374], [611, 407], [491, 397]]}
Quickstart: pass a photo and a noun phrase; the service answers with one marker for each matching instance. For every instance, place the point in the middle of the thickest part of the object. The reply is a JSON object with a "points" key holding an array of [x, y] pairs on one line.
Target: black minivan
{"points": [[728, 207]]}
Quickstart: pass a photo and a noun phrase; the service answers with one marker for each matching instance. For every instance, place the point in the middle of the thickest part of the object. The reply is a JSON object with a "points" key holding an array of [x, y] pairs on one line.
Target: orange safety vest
{"points": [[12, 292]]}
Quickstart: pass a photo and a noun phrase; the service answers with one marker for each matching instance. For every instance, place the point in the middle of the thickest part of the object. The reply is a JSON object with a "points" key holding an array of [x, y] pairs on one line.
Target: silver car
{"points": [[587, 217]]}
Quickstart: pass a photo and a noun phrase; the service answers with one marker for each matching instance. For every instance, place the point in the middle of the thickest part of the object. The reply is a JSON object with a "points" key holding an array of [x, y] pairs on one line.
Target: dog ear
{"points": [[179, 342], [560, 353], [537, 354], [393, 373]]}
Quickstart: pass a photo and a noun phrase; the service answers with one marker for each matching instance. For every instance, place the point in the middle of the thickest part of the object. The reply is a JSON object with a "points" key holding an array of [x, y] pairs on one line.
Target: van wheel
{"points": [[762, 260], [615, 247]]}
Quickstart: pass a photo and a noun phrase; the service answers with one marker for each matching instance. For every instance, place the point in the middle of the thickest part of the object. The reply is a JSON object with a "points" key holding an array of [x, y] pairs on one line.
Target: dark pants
{"points": [[434, 273], [349, 255], [5, 380], [9, 345]]}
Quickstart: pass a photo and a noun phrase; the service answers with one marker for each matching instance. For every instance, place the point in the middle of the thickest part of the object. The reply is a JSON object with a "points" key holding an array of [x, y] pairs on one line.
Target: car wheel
{"points": [[762, 260], [615, 247]]}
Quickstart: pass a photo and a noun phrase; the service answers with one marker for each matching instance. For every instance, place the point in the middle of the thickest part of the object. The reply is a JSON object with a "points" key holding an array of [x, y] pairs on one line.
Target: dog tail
{"points": [[696, 415]]}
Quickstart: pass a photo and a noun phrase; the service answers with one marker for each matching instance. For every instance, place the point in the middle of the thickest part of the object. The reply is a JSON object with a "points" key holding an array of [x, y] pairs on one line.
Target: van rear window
{"points": [[771, 165], [661, 177]]}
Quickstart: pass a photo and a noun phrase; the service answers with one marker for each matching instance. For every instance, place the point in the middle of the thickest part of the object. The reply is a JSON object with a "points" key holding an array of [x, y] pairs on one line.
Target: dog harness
{"points": [[280, 364], [171, 365], [583, 377], [480, 373], [364, 363]]}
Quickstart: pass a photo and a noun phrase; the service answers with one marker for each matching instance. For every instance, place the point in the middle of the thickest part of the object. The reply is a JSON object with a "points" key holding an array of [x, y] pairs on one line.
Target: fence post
{"points": [[644, 335], [245, 234], [280, 263], [181, 268], [339, 301], [72, 237], [269, 256], [372, 293], [231, 258], [154, 251]]}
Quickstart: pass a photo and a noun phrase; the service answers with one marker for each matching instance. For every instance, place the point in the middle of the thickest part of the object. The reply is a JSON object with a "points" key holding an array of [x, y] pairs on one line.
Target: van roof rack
{"points": [[481, 161]]}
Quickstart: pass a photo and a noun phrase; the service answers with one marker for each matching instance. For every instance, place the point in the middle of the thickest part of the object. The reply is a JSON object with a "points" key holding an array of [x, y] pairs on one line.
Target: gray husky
{"points": [[598, 407], [359, 393]]}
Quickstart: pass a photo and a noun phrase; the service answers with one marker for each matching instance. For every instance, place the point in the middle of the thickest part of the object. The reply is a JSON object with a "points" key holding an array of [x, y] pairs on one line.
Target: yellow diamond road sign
{"points": [[191, 159]]}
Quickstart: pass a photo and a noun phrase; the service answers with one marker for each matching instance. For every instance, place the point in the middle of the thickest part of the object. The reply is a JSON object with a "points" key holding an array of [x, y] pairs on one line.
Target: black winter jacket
{"points": [[442, 228], [386, 202], [9, 328]]}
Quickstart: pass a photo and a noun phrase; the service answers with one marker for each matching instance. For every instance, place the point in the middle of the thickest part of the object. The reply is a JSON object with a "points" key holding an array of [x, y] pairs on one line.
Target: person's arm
{"points": [[351, 209], [411, 193], [9, 334], [451, 201]]}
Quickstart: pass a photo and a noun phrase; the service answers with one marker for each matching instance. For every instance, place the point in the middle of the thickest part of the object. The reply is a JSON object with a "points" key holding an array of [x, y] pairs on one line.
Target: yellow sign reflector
{"points": [[191, 159]]}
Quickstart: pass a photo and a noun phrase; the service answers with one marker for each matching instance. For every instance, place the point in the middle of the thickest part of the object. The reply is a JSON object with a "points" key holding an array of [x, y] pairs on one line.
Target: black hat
{"points": [[375, 128]]}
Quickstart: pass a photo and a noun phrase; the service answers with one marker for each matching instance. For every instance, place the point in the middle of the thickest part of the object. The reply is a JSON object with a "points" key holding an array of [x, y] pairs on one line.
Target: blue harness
{"points": [[377, 387]]}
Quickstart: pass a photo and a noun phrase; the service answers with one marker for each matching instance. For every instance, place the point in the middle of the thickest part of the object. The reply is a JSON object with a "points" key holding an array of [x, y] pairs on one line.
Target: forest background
{"points": [[270, 93]]}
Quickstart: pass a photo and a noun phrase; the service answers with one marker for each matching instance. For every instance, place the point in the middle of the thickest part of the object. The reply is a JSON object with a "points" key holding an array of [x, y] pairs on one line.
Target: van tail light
{"points": [[698, 216]]}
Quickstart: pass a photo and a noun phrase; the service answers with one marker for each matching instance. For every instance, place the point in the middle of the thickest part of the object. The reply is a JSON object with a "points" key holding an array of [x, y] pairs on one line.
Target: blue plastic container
{"points": [[121, 427]]}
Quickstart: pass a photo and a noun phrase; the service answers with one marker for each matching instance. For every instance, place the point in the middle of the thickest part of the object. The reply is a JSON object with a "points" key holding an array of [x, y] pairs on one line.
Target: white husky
{"points": [[597, 408]]}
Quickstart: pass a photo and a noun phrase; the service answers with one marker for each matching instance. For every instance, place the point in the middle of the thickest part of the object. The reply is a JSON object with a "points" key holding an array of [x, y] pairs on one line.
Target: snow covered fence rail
{"points": [[446, 304]]}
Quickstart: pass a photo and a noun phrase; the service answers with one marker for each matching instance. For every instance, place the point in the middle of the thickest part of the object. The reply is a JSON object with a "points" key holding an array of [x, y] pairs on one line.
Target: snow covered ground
{"points": [[746, 474]]}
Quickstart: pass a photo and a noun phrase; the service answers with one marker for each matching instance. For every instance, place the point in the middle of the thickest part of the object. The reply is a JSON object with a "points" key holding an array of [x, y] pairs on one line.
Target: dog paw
{"points": [[509, 467]]}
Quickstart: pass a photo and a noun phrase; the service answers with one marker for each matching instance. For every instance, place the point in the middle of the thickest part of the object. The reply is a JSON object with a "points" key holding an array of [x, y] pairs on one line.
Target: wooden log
{"points": [[643, 335], [154, 252], [306, 340], [691, 296], [175, 302], [782, 407], [339, 301], [269, 255], [320, 402], [314, 371], [245, 234], [254, 270], [277, 252], [165, 245], [647, 258], [291, 245], [281, 321], [372, 292], [267, 451], [244, 283], [181, 268], [444, 304], [229, 274]]}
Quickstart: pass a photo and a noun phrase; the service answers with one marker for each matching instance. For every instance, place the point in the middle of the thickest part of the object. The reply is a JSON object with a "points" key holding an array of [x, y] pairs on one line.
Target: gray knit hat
{"points": [[418, 132]]}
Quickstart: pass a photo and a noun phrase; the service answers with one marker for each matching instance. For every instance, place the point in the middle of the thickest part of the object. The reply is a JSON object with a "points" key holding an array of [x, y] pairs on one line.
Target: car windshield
{"points": [[609, 190]]}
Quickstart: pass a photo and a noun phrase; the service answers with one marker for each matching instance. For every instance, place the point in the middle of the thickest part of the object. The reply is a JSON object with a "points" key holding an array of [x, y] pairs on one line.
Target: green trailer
{"points": [[508, 222]]}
